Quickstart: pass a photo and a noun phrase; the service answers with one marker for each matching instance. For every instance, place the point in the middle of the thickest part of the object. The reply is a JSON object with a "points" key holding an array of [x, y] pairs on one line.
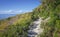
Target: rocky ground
{"points": [[35, 28]]}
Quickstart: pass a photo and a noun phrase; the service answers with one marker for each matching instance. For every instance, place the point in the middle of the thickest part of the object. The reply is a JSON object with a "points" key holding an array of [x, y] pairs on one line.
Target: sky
{"points": [[17, 6]]}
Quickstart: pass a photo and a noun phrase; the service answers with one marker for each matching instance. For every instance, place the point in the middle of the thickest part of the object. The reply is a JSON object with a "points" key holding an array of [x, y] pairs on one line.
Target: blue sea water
{"points": [[4, 16]]}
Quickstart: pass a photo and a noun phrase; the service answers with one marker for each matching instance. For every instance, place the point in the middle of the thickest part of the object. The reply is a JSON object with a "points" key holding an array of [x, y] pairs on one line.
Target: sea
{"points": [[4, 16]]}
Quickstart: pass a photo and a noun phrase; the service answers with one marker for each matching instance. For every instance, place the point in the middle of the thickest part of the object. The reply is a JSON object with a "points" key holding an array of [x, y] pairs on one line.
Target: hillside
{"points": [[49, 8], [18, 25], [14, 20], [21, 22]]}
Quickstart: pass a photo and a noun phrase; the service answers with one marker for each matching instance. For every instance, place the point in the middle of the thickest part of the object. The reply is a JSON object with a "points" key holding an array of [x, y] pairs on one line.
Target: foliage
{"points": [[19, 26]]}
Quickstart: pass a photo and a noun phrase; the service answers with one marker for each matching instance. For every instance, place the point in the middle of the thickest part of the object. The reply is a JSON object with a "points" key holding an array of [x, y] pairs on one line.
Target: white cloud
{"points": [[10, 11], [6, 11], [14, 11]]}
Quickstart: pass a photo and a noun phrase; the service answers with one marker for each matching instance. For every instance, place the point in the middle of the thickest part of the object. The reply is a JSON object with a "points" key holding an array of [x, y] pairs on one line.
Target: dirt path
{"points": [[35, 29]]}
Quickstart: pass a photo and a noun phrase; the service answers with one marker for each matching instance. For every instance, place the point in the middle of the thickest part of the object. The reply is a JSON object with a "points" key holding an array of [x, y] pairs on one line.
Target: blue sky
{"points": [[17, 6]]}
